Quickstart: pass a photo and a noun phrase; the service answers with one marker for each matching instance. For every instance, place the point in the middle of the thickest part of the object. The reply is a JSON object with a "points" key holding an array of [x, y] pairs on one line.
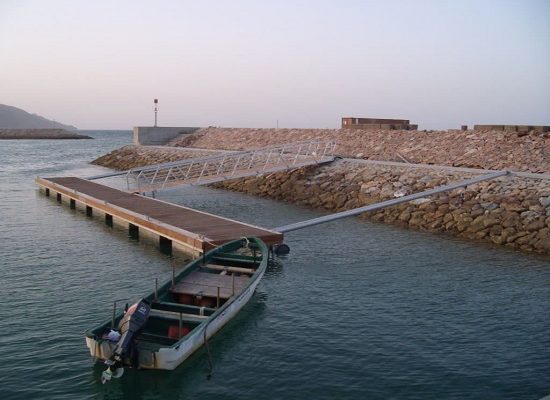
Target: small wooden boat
{"points": [[164, 328]]}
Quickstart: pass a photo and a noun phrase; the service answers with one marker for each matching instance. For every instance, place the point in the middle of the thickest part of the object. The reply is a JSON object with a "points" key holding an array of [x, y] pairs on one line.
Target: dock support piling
{"points": [[59, 197], [173, 274], [72, 203], [89, 211], [133, 231], [109, 220], [165, 245], [47, 192]]}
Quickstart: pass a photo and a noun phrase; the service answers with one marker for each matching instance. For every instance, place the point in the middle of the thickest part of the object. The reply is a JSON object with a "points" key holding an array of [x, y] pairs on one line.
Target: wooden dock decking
{"points": [[195, 231]]}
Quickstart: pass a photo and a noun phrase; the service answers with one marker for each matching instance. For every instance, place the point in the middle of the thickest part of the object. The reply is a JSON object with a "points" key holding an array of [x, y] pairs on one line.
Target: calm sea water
{"points": [[356, 311]]}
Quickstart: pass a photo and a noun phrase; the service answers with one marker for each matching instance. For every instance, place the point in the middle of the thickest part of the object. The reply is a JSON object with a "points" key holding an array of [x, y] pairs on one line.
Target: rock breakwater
{"points": [[133, 156], [472, 149], [509, 211], [40, 134]]}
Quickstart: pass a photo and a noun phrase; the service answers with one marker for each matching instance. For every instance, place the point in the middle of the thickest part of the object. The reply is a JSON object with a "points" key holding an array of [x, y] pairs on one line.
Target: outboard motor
{"points": [[133, 321]]}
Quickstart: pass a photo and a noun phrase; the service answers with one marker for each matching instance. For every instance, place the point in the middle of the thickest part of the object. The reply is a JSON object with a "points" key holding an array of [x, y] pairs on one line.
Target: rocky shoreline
{"points": [[510, 211], [40, 134], [132, 156]]}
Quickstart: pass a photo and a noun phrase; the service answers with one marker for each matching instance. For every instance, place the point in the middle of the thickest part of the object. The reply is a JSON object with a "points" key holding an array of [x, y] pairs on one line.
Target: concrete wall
{"points": [[354, 120], [512, 128], [158, 136]]}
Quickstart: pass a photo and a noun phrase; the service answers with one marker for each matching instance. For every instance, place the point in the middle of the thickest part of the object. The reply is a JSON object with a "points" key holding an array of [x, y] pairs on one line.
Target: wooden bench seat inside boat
{"points": [[239, 270], [160, 339], [206, 284], [230, 259], [182, 308]]}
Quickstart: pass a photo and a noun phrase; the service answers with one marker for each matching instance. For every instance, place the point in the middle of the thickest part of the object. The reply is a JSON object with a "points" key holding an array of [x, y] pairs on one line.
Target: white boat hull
{"points": [[168, 358]]}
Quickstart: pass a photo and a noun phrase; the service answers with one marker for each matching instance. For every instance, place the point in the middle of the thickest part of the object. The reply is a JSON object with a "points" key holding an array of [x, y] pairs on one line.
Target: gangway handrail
{"points": [[213, 157], [232, 165]]}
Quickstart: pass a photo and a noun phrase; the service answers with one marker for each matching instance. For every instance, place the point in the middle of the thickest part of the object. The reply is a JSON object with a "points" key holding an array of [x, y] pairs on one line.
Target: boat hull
{"points": [[169, 357]]}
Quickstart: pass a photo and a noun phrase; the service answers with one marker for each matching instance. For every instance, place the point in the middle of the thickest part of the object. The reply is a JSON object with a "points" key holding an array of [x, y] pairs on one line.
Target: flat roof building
{"points": [[377, 123]]}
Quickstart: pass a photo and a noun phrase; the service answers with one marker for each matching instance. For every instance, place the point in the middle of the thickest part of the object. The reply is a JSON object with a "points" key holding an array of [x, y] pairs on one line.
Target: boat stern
{"points": [[99, 348]]}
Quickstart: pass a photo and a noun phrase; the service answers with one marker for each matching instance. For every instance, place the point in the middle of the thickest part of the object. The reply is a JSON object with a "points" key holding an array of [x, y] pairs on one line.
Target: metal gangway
{"points": [[240, 164], [388, 203]]}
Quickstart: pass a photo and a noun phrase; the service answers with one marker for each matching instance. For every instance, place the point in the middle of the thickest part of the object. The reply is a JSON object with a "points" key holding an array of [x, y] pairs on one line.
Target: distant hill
{"points": [[16, 118]]}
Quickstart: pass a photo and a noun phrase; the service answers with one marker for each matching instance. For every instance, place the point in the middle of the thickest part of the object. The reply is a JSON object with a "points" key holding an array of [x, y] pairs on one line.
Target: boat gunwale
{"points": [[257, 274]]}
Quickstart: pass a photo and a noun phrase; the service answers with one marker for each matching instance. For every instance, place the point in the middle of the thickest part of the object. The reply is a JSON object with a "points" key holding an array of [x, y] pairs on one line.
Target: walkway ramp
{"points": [[192, 230], [219, 168], [388, 203]]}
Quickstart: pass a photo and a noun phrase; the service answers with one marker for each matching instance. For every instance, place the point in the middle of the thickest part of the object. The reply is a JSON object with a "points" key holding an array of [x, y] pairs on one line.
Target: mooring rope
{"points": [[209, 356], [246, 241]]}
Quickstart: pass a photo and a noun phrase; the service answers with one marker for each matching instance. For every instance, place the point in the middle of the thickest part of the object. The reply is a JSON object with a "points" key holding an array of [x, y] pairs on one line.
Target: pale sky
{"points": [[99, 64]]}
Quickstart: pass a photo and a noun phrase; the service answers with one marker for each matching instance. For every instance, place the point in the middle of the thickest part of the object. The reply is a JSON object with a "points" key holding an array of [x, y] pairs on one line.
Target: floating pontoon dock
{"points": [[192, 231]]}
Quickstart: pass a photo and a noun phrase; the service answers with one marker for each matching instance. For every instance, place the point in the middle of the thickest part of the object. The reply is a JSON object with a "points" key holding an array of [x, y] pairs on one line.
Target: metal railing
{"points": [[218, 168]]}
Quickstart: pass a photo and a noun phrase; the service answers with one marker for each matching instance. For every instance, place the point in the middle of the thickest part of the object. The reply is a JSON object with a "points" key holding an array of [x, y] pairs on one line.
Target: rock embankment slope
{"points": [[509, 211], [40, 134], [514, 212], [133, 156], [472, 149]]}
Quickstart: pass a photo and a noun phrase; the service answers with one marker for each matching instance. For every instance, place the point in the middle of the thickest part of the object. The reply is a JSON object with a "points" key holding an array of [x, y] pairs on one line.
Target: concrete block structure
{"points": [[541, 128], [377, 123], [157, 135], [513, 128]]}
